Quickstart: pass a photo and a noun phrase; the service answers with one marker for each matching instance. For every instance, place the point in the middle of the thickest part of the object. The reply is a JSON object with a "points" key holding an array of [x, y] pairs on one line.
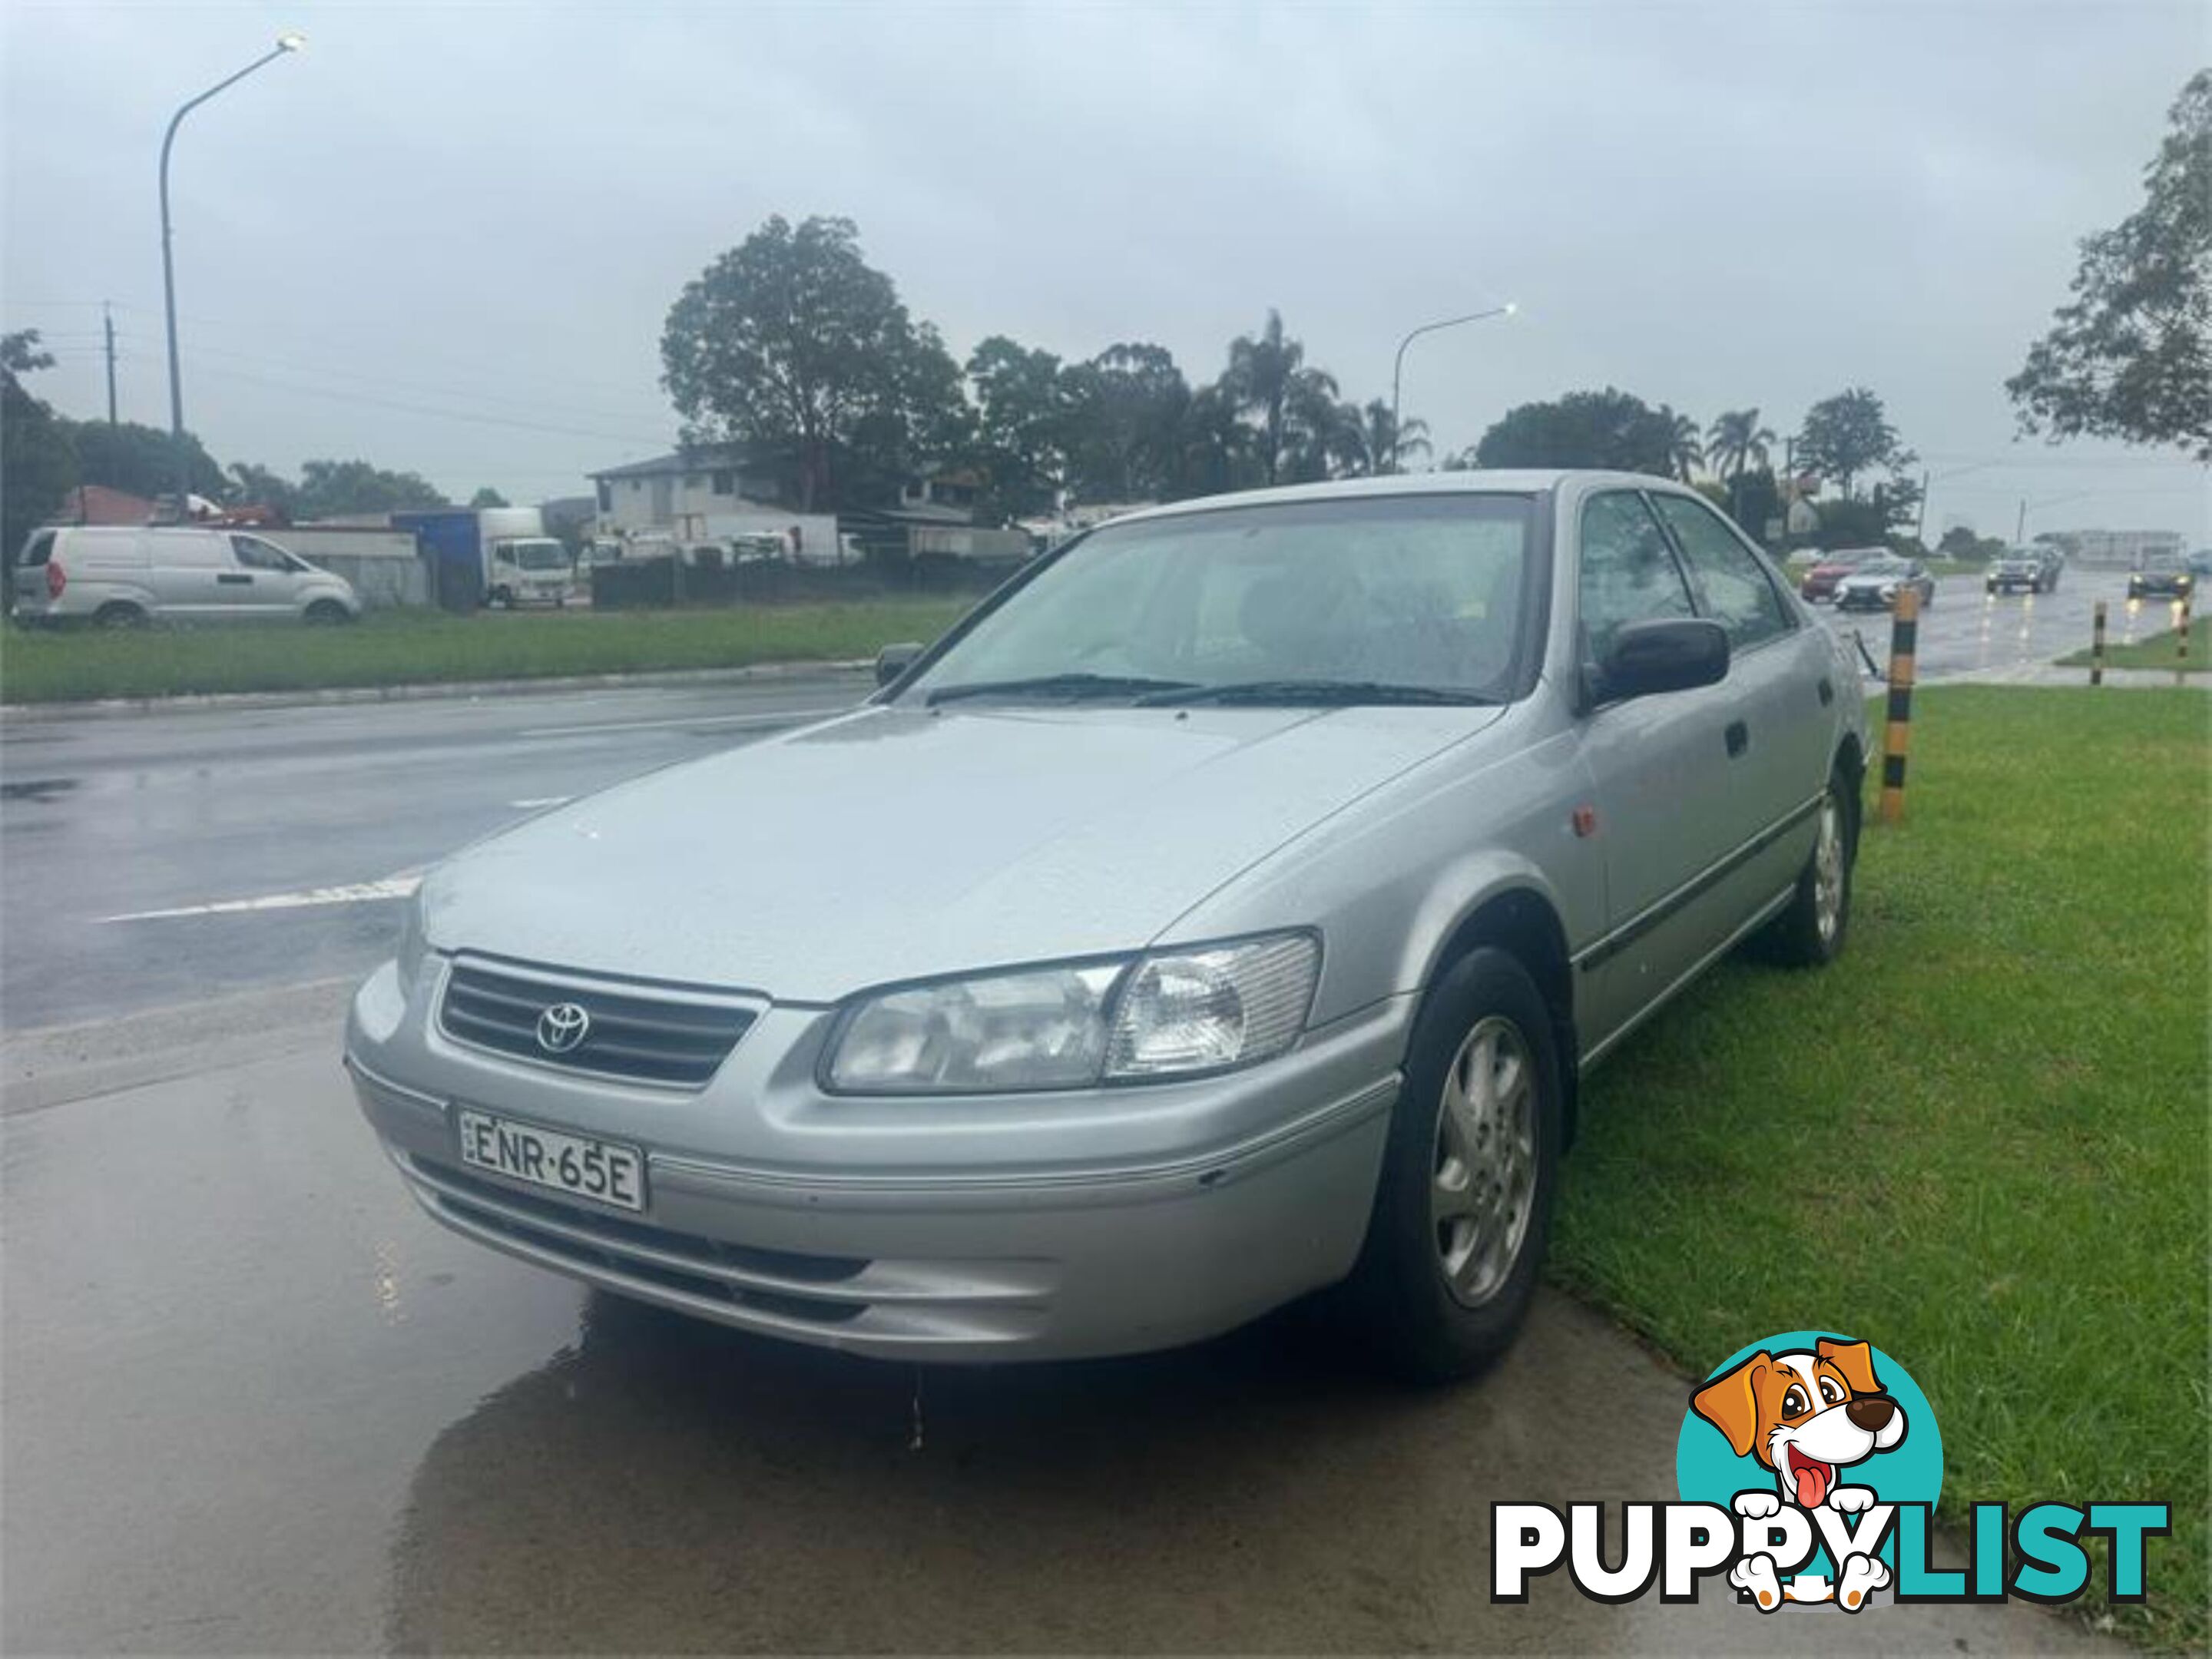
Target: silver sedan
{"points": [[1226, 909]]}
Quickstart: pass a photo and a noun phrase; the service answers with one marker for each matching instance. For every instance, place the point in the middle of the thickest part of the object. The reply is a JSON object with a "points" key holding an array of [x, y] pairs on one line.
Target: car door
{"points": [[184, 569], [267, 592], [1781, 715], [1662, 774]]}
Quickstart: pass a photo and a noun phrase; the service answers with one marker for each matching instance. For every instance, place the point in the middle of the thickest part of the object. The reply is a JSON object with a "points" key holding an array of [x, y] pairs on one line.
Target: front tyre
{"points": [[1463, 1206], [1810, 932]]}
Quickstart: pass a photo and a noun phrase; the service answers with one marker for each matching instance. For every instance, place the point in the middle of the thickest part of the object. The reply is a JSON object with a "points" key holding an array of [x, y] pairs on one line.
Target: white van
{"points": [[126, 576]]}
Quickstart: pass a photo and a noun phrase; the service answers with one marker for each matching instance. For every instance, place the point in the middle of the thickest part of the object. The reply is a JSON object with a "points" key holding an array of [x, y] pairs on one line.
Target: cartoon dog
{"points": [[1805, 1416]]}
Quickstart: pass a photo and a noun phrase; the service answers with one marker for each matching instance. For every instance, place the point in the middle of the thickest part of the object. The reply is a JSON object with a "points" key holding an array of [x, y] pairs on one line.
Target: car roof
{"points": [[1503, 482]]}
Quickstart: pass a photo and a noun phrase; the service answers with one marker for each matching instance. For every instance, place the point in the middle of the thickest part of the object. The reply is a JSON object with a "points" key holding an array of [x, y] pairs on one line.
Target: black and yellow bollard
{"points": [[2097, 646], [2181, 640], [1897, 733]]}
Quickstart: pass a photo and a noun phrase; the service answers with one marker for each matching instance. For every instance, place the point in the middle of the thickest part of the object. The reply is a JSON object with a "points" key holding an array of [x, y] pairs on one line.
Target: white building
{"points": [[675, 495]]}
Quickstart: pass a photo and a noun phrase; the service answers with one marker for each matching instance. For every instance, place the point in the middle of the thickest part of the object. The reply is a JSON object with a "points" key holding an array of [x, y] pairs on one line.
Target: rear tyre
{"points": [[119, 616], [1810, 932], [1463, 1206], [328, 613]]}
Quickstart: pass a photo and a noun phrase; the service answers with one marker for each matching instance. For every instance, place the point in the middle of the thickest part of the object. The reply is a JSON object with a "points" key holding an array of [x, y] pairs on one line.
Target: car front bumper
{"points": [[1174, 1212]]}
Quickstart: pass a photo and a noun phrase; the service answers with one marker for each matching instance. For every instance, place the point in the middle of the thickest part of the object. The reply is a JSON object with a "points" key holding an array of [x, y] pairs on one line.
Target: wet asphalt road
{"points": [[256, 1402], [1968, 632], [197, 812]]}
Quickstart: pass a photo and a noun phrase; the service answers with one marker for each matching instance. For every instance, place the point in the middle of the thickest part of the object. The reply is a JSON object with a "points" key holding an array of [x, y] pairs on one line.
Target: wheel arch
{"points": [[1521, 919]]}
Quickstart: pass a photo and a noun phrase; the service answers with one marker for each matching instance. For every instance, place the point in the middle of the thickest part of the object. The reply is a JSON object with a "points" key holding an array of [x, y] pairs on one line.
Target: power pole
{"points": [[107, 317], [2020, 526], [1920, 524]]}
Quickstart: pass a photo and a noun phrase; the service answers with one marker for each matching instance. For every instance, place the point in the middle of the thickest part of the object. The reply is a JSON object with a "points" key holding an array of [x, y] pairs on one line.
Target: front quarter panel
{"points": [[1388, 880]]}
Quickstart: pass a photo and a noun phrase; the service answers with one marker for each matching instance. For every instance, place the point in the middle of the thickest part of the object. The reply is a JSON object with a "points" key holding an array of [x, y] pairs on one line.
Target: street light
{"points": [[286, 43], [1398, 366]]}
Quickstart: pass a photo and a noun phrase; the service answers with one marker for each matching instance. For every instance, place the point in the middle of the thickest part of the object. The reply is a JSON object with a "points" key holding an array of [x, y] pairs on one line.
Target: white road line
{"points": [[538, 801], [796, 717], [360, 892]]}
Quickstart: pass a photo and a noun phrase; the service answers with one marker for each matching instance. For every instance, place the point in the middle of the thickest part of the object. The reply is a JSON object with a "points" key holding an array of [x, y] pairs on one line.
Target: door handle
{"points": [[235, 578], [1827, 691], [1739, 738]]}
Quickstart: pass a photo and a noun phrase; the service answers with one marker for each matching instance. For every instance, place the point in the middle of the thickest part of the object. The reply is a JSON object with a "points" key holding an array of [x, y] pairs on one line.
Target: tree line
{"points": [[793, 348]]}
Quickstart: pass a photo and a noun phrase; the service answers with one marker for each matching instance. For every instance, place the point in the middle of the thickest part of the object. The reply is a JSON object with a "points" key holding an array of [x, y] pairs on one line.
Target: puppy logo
{"points": [[1806, 1415], [1814, 1440]]}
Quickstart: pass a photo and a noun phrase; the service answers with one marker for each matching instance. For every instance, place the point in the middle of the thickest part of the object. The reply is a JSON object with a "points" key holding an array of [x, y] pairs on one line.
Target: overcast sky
{"points": [[445, 238]]}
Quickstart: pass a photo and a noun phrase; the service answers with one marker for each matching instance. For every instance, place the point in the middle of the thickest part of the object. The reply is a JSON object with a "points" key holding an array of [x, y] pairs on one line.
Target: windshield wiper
{"points": [[1060, 685], [1327, 693]]}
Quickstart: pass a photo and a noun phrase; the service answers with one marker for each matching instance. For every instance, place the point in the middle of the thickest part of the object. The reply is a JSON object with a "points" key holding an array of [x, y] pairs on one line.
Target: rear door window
{"points": [[36, 550]]}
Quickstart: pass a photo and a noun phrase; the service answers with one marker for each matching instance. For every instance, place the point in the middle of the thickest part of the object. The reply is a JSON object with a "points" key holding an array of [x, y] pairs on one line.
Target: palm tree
{"points": [[1267, 377], [1736, 441], [1684, 451], [1385, 443]]}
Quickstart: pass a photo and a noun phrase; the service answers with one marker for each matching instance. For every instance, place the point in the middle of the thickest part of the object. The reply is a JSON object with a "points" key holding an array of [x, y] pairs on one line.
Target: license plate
{"points": [[596, 1169]]}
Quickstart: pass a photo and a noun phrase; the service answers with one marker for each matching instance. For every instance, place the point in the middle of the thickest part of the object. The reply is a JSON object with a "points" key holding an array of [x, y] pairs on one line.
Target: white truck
{"points": [[522, 565]]}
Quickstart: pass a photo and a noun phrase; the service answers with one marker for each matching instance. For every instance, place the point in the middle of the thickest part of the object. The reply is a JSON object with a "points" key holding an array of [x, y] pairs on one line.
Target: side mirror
{"points": [[1672, 654], [894, 661]]}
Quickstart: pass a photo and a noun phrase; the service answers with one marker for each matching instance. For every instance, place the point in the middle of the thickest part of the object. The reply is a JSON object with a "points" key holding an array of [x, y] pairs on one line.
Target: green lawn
{"points": [[2155, 652], [1979, 1141], [395, 648]]}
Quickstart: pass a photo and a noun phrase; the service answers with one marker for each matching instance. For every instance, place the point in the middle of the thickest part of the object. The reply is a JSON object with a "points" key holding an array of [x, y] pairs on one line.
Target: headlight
{"points": [[1889, 590], [1169, 1013]]}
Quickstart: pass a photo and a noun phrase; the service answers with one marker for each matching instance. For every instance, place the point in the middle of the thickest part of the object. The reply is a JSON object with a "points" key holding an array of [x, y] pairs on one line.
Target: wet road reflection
{"points": [[255, 1402]]}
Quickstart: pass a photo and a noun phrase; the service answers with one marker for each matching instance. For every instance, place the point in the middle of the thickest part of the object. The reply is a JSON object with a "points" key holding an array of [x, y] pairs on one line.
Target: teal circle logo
{"points": [[1745, 1429]]}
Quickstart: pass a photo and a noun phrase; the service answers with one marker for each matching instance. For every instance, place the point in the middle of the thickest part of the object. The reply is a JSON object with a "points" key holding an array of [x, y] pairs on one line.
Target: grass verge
{"points": [[2155, 652], [1979, 1140], [411, 648]]}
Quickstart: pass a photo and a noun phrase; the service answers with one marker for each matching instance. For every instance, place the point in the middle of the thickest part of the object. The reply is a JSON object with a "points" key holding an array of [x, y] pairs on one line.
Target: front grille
{"points": [[646, 1034]]}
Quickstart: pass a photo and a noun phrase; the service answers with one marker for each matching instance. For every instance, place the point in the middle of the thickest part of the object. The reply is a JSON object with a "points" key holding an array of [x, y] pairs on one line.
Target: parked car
{"points": [[1829, 570], [1294, 856], [2162, 576], [1876, 584], [128, 576], [2034, 569]]}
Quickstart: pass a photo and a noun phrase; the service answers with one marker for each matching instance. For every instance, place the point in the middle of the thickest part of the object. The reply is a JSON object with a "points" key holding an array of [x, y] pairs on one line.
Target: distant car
{"points": [[2163, 576], [2035, 569], [1827, 574], [2200, 562], [1876, 584], [127, 576]]}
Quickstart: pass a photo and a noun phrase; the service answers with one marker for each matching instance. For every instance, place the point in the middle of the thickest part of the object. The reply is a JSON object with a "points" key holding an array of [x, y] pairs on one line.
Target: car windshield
{"points": [[1389, 598], [540, 555], [1884, 568]]}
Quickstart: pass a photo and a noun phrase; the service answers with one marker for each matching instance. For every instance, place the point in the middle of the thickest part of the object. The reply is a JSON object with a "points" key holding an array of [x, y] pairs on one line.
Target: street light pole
{"points": [[1398, 366], [285, 44]]}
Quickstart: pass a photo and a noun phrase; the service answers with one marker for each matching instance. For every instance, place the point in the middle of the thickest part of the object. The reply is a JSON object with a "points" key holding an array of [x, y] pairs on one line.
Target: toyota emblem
{"points": [[561, 1027]]}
